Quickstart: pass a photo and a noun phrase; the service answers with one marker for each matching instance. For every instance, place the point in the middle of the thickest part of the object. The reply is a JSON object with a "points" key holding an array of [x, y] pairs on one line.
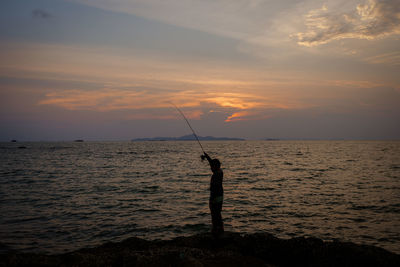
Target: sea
{"points": [[57, 197]]}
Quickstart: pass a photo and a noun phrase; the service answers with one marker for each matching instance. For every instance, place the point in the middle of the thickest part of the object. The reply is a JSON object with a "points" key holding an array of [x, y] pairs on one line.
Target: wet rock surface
{"points": [[233, 249]]}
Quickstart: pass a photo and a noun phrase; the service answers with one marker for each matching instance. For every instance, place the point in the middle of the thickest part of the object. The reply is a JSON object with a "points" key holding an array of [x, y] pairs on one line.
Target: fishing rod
{"points": [[195, 135]]}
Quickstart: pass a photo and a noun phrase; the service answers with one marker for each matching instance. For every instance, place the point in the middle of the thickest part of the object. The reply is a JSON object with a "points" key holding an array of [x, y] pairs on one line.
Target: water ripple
{"points": [[58, 197]]}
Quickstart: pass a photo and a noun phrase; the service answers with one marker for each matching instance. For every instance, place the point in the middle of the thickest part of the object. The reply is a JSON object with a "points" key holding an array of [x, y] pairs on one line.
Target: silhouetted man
{"points": [[216, 195]]}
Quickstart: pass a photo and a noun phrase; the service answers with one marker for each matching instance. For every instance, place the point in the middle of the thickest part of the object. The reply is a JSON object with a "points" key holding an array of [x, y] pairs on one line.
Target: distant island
{"points": [[189, 137]]}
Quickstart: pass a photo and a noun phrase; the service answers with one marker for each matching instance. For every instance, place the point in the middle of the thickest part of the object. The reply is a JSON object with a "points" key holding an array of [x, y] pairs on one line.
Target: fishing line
{"points": [[195, 135]]}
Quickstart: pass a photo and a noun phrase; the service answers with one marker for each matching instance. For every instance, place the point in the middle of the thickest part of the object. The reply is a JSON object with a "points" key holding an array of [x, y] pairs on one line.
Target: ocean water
{"points": [[58, 197]]}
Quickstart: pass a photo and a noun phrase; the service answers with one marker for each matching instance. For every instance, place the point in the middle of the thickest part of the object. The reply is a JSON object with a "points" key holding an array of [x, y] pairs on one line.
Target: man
{"points": [[216, 195]]}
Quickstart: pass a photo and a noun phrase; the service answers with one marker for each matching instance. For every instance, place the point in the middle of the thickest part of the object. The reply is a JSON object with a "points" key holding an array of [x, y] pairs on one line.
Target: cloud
{"points": [[41, 14], [248, 21], [108, 99], [235, 100], [267, 29], [162, 115], [391, 58], [247, 115], [221, 17], [156, 103], [372, 20]]}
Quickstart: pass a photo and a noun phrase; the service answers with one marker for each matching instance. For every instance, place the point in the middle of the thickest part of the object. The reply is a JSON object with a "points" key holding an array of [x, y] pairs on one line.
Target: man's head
{"points": [[215, 165]]}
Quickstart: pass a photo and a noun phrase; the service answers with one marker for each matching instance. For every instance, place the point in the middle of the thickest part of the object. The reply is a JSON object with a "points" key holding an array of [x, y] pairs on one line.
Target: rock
{"points": [[233, 249]]}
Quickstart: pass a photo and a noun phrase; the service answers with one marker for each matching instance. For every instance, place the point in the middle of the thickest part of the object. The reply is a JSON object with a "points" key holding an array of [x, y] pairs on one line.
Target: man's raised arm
{"points": [[207, 157]]}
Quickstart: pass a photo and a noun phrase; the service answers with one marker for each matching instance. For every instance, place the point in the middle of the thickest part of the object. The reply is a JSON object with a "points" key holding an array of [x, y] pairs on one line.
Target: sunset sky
{"points": [[109, 69]]}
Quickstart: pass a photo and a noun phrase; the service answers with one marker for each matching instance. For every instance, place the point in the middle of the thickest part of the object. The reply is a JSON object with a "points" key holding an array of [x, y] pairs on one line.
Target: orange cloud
{"points": [[156, 103], [118, 99], [235, 100], [100, 100], [194, 114], [237, 116], [231, 102], [246, 115]]}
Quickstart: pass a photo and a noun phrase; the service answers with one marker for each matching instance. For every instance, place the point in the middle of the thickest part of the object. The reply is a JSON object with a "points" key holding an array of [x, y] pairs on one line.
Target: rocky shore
{"points": [[233, 249]]}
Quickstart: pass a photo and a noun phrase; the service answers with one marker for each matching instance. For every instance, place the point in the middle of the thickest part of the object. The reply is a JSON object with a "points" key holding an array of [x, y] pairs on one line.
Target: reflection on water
{"points": [[63, 196]]}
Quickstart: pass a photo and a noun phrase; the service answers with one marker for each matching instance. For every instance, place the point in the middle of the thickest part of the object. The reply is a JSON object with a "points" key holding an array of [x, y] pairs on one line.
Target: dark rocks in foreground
{"points": [[233, 249]]}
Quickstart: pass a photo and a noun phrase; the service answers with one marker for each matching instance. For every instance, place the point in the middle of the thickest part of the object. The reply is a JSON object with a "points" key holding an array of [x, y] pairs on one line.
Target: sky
{"points": [[255, 69]]}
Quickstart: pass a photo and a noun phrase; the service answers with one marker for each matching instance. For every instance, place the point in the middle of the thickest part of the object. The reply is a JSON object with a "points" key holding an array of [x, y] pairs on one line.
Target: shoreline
{"points": [[232, 249]]}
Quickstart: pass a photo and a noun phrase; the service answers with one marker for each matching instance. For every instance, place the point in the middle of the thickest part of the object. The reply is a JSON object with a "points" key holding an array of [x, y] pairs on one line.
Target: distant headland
{"points": [[189, 137]]}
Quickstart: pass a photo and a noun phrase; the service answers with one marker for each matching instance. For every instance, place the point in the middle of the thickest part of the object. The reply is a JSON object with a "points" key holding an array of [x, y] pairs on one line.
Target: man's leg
{"points": [[217, 223]]}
